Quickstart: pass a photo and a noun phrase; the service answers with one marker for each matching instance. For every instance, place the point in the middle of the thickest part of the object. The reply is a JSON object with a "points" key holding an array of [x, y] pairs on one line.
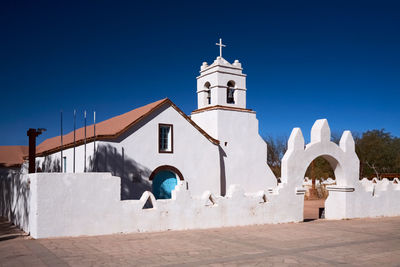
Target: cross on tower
{"points": [[220, 47]]}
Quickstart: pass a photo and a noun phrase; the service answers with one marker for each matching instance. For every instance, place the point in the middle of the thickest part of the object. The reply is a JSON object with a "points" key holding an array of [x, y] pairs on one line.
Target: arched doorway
{"points": [[318, 176], [164, 179]]}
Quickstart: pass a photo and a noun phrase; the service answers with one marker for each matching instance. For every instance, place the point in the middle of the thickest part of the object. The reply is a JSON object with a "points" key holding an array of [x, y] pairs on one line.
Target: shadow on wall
{"points": [[14, 195], [134, 177], [49, 165], [222, 155]]}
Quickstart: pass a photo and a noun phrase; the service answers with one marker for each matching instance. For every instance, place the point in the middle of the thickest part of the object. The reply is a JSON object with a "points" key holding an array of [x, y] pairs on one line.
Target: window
{"points": [[230, 99], [165, 138], [208, 91]]}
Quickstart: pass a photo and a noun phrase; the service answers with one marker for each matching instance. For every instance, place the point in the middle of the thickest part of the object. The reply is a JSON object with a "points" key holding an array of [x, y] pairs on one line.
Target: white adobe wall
{"points": [[89, 204], [246, 152], [193, 155], [369, 199]]}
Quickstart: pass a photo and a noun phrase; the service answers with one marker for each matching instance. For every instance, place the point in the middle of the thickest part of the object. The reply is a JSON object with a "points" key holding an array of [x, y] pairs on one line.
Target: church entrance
{"points": [[163, 184], [164, 179]]}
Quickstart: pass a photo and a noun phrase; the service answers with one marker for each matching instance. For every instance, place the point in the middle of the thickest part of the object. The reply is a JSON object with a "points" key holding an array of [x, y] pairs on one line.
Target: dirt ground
{"points": [[311, 209]]}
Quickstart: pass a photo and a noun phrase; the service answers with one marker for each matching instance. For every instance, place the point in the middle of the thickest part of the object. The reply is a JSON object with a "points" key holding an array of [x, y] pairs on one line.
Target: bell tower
{"points": [[222, 113], [221, 83]]}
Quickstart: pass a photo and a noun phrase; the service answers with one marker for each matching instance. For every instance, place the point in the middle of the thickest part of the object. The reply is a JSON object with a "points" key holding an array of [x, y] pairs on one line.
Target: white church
{"points": [[155, 169], [152, 147]]}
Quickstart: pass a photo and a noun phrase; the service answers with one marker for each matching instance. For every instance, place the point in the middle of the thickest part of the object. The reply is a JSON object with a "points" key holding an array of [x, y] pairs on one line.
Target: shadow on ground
{"points": [[9, 231]]}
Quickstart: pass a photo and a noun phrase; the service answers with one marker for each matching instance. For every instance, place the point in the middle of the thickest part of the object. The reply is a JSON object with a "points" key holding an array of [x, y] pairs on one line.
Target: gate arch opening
{"points": [[319, 175], [164, 179]]}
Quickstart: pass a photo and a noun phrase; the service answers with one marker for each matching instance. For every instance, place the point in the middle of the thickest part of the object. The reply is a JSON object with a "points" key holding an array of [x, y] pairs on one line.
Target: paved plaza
{"points": [[352, 242]]}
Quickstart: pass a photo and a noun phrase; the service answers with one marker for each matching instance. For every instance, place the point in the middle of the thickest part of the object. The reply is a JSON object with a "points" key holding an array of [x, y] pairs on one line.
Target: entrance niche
{"points": [[318, 176], [164, 179]]}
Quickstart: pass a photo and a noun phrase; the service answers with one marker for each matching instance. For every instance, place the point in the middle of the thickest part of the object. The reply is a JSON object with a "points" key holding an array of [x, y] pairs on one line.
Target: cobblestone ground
{"points": [[319, 242]]}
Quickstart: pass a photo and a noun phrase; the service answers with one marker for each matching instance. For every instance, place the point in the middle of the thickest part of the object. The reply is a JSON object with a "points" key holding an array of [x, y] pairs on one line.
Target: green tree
{"points": [[320, 169], [379, 152]]}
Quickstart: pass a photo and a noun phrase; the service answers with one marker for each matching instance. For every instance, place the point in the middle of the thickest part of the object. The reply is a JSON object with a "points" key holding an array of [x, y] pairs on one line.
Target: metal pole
{"points": [[85, 145], [94, 141], [62, 158], [31, 133], [74, 136]]}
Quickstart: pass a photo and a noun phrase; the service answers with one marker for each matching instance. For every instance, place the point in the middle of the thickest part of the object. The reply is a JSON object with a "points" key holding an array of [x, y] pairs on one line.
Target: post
{"points": [[32, 134], [85, 145], [94, 141], [74, 138], [61, 137]]}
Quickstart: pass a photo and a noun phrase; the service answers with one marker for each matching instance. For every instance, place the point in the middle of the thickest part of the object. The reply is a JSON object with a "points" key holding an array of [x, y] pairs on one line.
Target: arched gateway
{"points": [[342, 158]]}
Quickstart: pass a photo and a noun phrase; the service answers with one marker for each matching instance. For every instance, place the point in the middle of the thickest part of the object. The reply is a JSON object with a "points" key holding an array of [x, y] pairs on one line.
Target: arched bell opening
{"points": [[207, 89], [230, 92]]}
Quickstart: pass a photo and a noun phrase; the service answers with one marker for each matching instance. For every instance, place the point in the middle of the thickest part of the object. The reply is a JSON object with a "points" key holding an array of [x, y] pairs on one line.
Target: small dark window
{"points": [[165, 138], [207, 88], [230, 93]]}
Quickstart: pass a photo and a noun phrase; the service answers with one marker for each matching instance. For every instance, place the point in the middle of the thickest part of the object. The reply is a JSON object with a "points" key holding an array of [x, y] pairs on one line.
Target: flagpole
{"points": [[85, 145], [62, 158], [94, 141], [74, 137]]}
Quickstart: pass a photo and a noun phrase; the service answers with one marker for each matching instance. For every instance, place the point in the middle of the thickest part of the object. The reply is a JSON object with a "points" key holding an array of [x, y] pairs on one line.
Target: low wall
{"points": [[66, 204], [15, 197], [89, 204], [366, 199]]}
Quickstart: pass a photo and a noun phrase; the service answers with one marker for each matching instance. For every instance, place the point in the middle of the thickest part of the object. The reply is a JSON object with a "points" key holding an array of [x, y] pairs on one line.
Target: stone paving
{"points": [[320, 242]]}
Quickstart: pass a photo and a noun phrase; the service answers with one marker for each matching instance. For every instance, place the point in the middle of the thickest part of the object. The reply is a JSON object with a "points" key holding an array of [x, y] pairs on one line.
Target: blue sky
{"points": [[305, 60]]}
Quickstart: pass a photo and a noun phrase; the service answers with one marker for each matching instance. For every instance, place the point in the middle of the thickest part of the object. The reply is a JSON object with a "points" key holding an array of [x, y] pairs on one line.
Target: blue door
{"points": [[163, 183]]}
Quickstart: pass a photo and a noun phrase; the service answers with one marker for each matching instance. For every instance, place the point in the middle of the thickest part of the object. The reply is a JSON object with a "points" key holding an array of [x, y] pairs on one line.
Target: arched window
{"points": [[207, 89], [230, 99]]}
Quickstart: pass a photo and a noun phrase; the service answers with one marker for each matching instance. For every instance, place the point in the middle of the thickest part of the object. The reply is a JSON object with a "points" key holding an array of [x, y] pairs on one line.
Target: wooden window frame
{"points": [[172, 137]]}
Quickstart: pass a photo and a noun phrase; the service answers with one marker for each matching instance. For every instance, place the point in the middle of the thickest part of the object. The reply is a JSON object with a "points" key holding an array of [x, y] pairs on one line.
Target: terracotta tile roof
{"points": [[110, 129], [12, 156]]}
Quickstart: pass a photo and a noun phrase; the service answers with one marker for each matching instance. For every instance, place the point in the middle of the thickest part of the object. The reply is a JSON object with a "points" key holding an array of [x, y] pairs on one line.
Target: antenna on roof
{"points": [[74, 135], [85, 144], [61, 137]]}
